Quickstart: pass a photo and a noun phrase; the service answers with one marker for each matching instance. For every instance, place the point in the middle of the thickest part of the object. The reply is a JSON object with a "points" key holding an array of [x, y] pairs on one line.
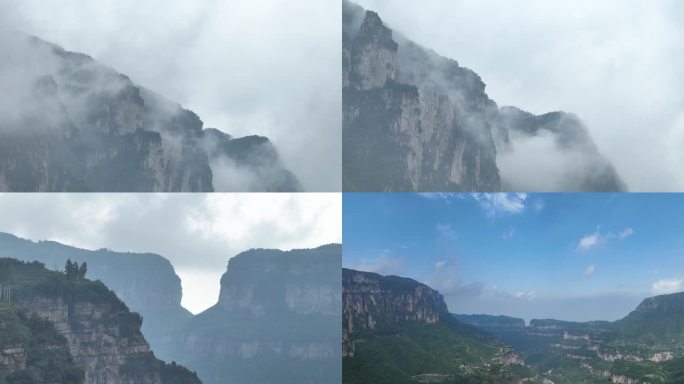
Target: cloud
{"points": [[627, 232], [633, 49], [667, 286], [385, 264], [198, 233], [508, 235], [524, 295], [597, 238], [244, 66], [447, 231], [590, 270], [499, 204]]}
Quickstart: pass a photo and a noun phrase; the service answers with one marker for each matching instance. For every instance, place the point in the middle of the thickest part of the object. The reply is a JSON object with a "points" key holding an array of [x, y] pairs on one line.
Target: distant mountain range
{"points": [[276, 321], [75, 125], [417, 121], [646, 346], [397, 330]]}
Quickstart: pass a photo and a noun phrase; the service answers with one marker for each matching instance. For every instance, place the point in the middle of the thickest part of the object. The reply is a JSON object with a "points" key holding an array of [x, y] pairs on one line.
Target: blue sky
{"points": [[564, 256]]}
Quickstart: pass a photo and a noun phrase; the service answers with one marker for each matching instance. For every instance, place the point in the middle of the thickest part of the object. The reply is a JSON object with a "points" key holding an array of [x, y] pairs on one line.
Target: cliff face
{"points": [[398, 330], [104, 340], [103, 336], [370, 300], [277, 320], [416, 121], [147, 283], [77, 125]]}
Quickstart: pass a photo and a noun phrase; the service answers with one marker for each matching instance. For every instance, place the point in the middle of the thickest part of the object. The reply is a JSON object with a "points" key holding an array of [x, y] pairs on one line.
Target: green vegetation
{"points": [[47, 354], [74, 271], [415, 352], [48, 357]]}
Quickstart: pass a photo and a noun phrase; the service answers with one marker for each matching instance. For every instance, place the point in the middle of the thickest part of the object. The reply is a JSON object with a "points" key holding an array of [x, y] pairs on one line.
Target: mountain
{"points": [[147, 283], [75, 125], [397, 330], [277, 318], [646, 346], [33, 350], [90, 334], [276, 321], [417, 121]]}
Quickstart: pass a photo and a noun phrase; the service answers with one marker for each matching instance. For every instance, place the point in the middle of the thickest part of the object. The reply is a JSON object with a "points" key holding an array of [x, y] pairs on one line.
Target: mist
{"points": [[266, 68], [616, 65]]}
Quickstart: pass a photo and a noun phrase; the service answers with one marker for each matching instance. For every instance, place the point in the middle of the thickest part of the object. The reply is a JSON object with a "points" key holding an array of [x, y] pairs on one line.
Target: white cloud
{"points": [[498, 204], [589, 241], [385, 264], [590, 270], [525, 295], [627, 232], [446, 230], [631, 48], [667, 286], [597, 238], [198, 233], [260, 67]]}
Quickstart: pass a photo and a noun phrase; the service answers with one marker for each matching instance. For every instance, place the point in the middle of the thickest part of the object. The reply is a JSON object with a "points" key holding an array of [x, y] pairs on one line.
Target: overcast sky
{"points": [[618, 64], [198, 233], [267, 67], [577, 256]]}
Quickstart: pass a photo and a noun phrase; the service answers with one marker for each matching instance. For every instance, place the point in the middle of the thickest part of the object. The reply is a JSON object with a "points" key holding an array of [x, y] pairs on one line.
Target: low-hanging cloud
{"points": [[617, 65], [246, 67]]}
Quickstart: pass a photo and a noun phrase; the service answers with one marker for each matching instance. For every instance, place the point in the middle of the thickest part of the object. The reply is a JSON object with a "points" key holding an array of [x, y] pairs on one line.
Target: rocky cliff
{"points": [[147, 283], [276, 321], [398, 330], [370, 300], [103, 336], [74, 124], [416, 121]]}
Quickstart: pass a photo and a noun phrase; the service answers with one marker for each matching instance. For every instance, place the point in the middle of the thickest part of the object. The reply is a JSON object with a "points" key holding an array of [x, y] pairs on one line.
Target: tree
{"points": [[71, 269], [74, 271], [82, 270]]}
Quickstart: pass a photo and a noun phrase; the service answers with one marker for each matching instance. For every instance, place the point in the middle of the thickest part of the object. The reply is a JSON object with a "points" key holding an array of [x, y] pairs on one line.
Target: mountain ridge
{"points": [[417, 121], [78, 126]]}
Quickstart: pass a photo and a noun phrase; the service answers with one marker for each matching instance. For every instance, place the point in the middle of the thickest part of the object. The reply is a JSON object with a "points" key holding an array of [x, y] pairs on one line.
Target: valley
{"points": [[397, 330]]}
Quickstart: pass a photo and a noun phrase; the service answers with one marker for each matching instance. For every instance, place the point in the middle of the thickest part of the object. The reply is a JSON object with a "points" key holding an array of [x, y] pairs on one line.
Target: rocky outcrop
{"points": [[104, 339], [147, 283], [103, 336], [276, 320], [370, 301], [416, 121], [76, 125], [12, 357]]}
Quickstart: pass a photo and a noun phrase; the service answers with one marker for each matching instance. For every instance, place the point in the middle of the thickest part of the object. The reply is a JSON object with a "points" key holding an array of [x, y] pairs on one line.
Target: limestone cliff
{"points": [[103, 336], [276, 321], [396, 329], [370, 300], [76, 125], [147, 283], [416, 121]]}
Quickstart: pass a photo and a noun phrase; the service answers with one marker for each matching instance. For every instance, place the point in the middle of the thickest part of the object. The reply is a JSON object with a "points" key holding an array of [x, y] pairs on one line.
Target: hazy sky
{"points": [[618, 64], [563, 256], [198, 233], [267, 67]]}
